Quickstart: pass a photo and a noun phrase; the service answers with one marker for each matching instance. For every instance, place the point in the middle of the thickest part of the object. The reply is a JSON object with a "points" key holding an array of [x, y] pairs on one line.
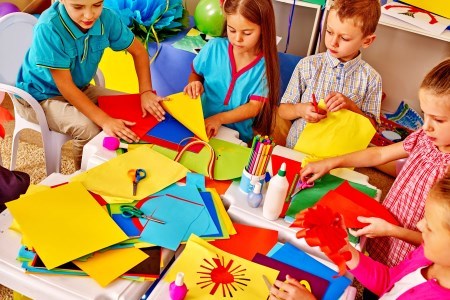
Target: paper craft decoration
{"points": [[65, 223], [128, 107], [351, 203], [106, 266], [211, 273], [5, 116], [192, 42], [189, 112], [255, 239], [308, 197], [295, 257], [323, 227], [437, 7], [339, 133], [111, 178], [417, 17], [230, 159], [314, 284], [118, 69]]}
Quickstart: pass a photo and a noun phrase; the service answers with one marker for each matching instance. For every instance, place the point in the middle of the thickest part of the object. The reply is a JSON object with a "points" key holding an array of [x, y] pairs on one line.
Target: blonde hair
{"points": [[440, 191], [438, 79], [365, 13]]}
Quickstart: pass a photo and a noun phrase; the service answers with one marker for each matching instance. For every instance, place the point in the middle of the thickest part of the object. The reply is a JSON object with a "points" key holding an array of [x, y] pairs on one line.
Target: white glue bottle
{"points": [[276, 194]]}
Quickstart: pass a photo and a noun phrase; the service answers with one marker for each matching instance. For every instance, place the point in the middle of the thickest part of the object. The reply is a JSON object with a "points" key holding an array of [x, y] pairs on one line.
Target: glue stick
{"points": [[178, 289]]}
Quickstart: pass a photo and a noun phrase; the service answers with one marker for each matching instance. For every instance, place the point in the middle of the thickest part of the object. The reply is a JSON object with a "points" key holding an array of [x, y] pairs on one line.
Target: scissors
{"points": [[136, 175], [301, 186], [130, 211]]}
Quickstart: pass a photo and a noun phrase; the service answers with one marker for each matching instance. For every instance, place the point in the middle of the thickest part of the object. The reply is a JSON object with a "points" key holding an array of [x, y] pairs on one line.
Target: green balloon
{"points": [[209, 17]]}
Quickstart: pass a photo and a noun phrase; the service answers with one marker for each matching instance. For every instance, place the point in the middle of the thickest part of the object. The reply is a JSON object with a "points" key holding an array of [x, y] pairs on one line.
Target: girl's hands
{"points": [[290, 290], [194, 89], [119, 129], [315, 170], [376, 227], [212, 125], [310, 114], [150, 103], [336, 101]]}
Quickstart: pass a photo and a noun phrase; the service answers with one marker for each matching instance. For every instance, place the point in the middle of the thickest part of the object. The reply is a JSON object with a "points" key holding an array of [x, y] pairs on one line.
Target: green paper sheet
{"points": [[310, 196]]}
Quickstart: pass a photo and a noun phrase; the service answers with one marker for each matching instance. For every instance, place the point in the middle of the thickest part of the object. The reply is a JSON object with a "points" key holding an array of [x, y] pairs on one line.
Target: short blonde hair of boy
{"points": [[440, 192], [364, 13], [437, 80]]}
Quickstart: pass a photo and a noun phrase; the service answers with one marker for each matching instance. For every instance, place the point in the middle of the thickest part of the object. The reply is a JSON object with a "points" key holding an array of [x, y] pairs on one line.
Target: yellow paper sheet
{"points": [[341, 132], [224, 217], [111, 178], [188, 112], [118, 69], [65, 223], [210, 273], [106, 266]]}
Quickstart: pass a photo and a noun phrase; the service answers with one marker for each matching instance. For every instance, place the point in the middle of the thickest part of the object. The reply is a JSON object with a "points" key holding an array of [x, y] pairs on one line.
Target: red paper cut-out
{"points": [[224, 275], [322, 227]]}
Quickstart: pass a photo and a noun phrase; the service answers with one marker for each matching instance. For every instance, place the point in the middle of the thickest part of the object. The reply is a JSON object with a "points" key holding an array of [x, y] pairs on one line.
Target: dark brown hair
{"points": [[261, 12], [365, 13], [438, 79]]}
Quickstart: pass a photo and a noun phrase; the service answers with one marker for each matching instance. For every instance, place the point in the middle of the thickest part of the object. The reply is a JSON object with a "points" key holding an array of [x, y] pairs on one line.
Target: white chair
{"points": [[16, 32]]}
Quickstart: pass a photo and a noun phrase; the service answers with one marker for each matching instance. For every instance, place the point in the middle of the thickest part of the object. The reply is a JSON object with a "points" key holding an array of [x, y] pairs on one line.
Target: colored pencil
{"points": [[316, 107], [291, 189]]}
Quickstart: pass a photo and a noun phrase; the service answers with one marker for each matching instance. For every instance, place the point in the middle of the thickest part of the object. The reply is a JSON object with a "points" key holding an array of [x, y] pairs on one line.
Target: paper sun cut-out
{"points": [[219, 273], [322, 227]]}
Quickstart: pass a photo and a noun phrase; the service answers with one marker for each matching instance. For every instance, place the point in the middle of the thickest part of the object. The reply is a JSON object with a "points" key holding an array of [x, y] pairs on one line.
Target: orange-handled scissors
{"points": [[136, 175]]}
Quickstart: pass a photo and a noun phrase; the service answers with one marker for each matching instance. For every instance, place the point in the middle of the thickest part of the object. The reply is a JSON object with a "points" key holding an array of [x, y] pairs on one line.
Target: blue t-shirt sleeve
{"points": [[119, 35], [48, 48]]}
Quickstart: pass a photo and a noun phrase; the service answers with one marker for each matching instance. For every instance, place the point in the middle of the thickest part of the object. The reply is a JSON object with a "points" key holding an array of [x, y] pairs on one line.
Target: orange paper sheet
{"points": [[106, 266], [65, 223]]}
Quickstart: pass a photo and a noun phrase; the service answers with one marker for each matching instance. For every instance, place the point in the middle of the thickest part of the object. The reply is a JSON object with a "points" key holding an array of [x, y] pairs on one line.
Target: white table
{"points": [[51, 287]]}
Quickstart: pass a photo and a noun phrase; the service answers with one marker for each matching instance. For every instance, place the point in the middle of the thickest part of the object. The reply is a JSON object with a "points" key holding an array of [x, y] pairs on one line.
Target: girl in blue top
{"points": [[239, 75]]}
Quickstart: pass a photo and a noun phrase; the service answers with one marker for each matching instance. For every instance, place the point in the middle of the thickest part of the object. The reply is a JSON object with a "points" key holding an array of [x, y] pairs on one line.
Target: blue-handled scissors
{"points": [[136, 175], [130, 211]]}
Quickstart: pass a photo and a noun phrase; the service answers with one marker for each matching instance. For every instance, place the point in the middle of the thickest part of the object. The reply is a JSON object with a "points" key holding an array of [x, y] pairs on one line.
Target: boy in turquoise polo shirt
{"points": [[68, 43]]}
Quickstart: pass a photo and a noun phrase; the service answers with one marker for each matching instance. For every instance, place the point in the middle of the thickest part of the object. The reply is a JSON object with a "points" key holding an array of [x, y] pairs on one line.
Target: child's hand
{"points": [[310, 114], [194, 89], [315, 170], [119, 129], [336, 101], [150, 103], [290, 290], [212, 125], [377, 227]]}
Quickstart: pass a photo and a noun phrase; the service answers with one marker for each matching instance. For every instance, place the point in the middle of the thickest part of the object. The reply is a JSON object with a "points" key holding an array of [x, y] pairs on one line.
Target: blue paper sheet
{"points": [[295, 257]]}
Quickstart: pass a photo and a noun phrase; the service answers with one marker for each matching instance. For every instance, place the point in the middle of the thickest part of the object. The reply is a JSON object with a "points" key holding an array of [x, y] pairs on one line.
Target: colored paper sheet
{"points": [[351, 203], [309, 197], [230, 159], [295, 257], [313, 283], [183, 211], [170, 133], [211, 273], [106, 266], [255, 239], [128, 107], [127, 225], [292, 166], [222, 211], [65, 223], [118, 69], [111, 178], [340, 132], [189, 112], [209, 203]]}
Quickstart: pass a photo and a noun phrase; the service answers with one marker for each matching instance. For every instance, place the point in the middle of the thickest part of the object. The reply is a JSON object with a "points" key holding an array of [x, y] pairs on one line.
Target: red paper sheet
{"points": [[351, 203], [248, 241], [128, 107]]}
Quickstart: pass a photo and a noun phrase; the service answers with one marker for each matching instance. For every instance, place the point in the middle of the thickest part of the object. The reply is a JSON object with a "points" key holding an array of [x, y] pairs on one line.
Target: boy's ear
{"points": [[368, 40]]}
